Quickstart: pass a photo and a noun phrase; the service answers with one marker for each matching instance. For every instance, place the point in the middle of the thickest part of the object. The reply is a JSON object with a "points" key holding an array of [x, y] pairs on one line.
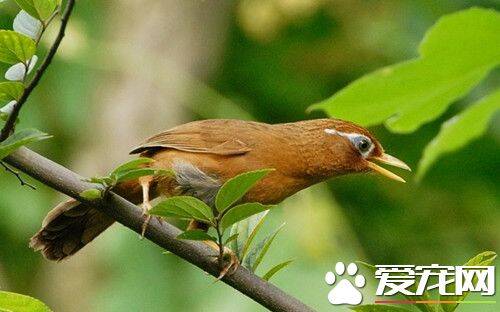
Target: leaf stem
{"points": [[220, 243], [46, 23]]}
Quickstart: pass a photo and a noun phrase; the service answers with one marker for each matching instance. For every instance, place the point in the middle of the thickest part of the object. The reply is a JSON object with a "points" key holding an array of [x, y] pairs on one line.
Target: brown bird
{"points": [[204, 154]]}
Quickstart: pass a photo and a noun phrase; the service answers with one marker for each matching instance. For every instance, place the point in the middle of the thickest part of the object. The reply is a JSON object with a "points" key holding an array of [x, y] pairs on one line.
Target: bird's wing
{"points": [[209, 137]]}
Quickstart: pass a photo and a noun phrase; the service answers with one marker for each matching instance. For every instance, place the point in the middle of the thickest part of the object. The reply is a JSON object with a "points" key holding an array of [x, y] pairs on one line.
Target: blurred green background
{"points": [[128, 69]]}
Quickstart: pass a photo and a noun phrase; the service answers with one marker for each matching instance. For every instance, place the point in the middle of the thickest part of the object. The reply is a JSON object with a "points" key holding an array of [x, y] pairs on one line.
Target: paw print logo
{"points": [[344, 291]]}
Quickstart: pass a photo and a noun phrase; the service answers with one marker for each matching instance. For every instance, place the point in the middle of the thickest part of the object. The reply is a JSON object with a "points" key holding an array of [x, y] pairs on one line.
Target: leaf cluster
{"points": [[127, 171], [456, 54], [18, 47], [243, 219]]}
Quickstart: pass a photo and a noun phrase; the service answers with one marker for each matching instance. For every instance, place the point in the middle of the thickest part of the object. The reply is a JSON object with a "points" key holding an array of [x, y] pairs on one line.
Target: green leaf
{"points": [[41, 9], [15, 48], [378, 308], [234, 189], [21, 303], [409, 94], [483, 259], [11, 91], [276, 269], [133, 174], [91, 194], [231, 238], [45, 8], [183, 207], [368, 266], [197, 235], [105, 181], [237, 244], [246, 230], [96, 180], [133, 164], [28, 6], [254, 224], [460, 130], [18, 139], [257, 254], [241, 212]]}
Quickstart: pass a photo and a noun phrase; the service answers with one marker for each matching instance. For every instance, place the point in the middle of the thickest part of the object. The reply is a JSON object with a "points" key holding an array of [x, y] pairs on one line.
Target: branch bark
{"points": [[161, 233]]}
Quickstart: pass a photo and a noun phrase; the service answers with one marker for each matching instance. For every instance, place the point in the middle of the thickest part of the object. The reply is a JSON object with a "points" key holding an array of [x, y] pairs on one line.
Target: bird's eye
{"points": [[362, 143]]}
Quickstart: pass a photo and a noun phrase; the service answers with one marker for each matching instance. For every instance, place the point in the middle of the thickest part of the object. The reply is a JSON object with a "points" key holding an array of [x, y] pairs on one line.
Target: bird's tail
{"points": [[71, 225]]}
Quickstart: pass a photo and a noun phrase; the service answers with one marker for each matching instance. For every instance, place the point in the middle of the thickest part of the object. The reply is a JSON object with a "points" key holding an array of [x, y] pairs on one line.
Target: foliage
{"points": [[271, 81], [246, 230], [241, 212], [275, 269], [11, 91], [244, 219], [19, 139], [20, 303], [15, 47], [459, 130], [196, 235], [185, 207], [409, 94], [483, 259], [41, 9], [127, 171], [235, 188], [18, 48], [255, 256]]}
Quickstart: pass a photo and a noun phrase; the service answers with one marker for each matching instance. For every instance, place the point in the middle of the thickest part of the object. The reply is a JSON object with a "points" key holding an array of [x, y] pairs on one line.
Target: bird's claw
{"points": [[145, 212], [231, 263]]}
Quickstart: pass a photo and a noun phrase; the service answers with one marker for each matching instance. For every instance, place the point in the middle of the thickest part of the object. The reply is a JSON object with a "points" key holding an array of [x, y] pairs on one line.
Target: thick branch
{"points": [[162, 234], [11, 121]]}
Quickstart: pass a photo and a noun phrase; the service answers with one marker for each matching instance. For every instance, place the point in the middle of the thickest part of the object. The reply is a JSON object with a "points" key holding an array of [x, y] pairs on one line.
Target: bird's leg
{"points": [[233, 262], [146, 204], [229, 262]]}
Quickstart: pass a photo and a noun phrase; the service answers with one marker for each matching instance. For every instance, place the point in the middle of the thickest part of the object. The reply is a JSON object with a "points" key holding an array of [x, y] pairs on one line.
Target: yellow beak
{"points": [[389, 160]]}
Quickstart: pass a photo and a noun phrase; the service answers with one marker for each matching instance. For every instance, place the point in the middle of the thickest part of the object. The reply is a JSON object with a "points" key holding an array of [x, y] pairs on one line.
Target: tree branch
{"points": [[161, 233], [11, 121], [128, 214]]}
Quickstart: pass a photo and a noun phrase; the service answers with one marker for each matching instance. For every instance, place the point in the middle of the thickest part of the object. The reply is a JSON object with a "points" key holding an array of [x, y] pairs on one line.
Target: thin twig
{"points": [[163, 234], [221, 246], [46, 23], [11, 121], [17, 175]]}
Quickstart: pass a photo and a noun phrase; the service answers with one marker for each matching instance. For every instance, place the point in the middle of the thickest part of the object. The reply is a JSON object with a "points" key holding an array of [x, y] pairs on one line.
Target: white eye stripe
{"points": [[347, 134], [332, 131], [353, 137]]}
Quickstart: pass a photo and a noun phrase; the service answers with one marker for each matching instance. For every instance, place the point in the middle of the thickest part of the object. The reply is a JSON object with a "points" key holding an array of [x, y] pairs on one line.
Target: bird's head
{"points": [[352, 148]]}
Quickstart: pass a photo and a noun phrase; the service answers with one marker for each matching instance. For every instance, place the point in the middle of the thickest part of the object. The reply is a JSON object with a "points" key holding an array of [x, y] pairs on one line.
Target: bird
{"points": [[204, 154]]}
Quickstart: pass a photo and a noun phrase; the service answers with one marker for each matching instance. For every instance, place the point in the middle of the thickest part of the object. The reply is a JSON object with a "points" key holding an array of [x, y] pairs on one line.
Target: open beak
{"points": [[389, 160]]}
